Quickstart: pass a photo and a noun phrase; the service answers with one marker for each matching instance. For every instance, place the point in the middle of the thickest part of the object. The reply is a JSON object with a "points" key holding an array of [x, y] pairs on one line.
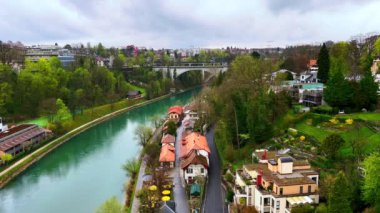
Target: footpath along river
{"points": [[81, 174]]}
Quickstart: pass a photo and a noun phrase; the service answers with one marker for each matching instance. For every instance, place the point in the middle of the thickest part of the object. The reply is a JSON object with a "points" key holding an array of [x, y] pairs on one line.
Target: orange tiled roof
{"points": [[312, 62], [168, 138], [193, 141], [167, 153], [193, 158], [176, 109]]}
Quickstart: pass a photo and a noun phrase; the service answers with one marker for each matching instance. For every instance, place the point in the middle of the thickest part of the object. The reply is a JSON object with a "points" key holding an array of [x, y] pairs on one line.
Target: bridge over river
{"points": [[212, 68], [85, 171]]}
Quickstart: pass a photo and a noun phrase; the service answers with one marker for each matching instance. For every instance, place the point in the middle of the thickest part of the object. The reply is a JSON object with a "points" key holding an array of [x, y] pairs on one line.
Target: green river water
{"points": [[85, 171]]}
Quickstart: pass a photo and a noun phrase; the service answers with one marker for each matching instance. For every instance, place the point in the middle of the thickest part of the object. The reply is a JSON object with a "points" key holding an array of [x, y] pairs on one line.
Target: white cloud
{"points": [[180, 23]]}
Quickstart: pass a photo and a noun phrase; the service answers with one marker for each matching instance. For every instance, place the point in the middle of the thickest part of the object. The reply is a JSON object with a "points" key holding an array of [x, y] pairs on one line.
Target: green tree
{"points": [[338, 91], [63, 113], [6, 98], [143, 134], [111, 205], [323, 64], [100, 50], [376, 49], [368, 91], [131, 167], [371, 185], [255, 55], [322, 208], [172, 128], [175, 74], [339, 197], [302, 209], [6, 157], [332, 144]]}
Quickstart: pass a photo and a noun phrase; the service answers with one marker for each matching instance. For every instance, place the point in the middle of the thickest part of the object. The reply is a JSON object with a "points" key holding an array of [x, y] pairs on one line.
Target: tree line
{"points": [[35, 90]]}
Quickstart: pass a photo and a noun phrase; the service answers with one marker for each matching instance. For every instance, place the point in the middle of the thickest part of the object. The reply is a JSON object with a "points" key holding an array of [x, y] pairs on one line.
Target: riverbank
{"points": [[135, 202], [17, 168]]}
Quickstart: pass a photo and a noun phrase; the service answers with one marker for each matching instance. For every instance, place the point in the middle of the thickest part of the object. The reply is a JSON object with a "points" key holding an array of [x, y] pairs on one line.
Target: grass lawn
{"points": [[367, 116], [372, 139], [134, 87], [318, 133], [41, 121]]}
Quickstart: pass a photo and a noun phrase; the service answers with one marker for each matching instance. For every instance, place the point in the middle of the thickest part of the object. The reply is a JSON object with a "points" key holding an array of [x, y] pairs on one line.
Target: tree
{"points": [[6, 157], [6, 98], [63, 113], [143, 133], [368, 91], [111, 205], [255, 55], [303, 209], [376, 49], [48, 107], [331, 145], [371, 185], [339, 195], [131, 167], [323, 64], [338, 91], [171, 128], [322, 208], [175, 74], [157, 121]]}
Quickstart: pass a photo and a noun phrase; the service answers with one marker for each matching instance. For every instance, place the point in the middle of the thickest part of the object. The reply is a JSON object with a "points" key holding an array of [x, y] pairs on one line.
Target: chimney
{"points": [[264, 156], [259, 178]]}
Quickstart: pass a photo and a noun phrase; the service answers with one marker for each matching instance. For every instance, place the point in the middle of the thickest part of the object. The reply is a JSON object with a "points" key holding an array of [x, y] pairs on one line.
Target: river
{"points": [[85, 171]]}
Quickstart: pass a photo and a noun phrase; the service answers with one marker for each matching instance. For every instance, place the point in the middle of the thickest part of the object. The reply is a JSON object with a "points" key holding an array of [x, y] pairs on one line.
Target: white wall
{"points": [[196, 171]]}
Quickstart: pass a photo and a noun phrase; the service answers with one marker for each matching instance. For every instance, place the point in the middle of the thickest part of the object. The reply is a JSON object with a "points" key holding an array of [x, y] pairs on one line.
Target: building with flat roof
{"points": [[278, 185]]}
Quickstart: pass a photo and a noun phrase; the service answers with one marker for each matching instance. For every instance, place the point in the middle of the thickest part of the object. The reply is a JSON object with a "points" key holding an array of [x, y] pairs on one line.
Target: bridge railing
{"points": [[194, 65]]}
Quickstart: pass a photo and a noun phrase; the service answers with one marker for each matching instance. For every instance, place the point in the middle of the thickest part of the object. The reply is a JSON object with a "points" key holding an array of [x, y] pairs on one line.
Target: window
{"points": [[266, 201], [278, 205], [189, 170], [202, 170], [309, 189], [301, 189], [281, 191]]}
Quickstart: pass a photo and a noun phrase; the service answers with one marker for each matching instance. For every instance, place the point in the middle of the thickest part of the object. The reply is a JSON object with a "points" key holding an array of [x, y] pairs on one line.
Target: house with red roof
{"points": [[175, 113], [194, 156], [167, 156], [168, 139]]}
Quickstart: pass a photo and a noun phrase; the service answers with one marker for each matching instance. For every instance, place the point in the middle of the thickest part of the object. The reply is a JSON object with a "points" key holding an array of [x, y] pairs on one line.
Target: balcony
{"points": [[244, 179]]}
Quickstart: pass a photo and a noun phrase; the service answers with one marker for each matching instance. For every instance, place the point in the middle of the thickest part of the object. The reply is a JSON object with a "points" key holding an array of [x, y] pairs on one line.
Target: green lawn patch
{"points": [[366, 116], [41, 121], [319, 133], [134, 87]]}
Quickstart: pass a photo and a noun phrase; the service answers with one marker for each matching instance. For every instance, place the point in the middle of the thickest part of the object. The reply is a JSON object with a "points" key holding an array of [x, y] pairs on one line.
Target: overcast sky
{"points": [[186, 23]]}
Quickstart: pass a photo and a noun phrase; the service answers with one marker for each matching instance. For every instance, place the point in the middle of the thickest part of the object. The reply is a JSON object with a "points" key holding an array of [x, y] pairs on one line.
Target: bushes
{"points": [[229, 178], [325, 109], [230, 195]]}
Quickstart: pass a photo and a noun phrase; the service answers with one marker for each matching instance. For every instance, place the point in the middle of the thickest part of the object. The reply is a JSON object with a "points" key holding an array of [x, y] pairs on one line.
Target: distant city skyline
{"points": [[186, 24]]}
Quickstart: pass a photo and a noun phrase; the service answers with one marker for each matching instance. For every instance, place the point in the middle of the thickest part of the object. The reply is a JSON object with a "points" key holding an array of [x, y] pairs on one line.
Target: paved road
{"points": [[180, 198], [214, 198]]}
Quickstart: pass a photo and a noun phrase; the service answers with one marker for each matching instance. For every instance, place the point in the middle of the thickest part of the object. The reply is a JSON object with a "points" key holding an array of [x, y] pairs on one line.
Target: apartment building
{"points": [[277, 185]]}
